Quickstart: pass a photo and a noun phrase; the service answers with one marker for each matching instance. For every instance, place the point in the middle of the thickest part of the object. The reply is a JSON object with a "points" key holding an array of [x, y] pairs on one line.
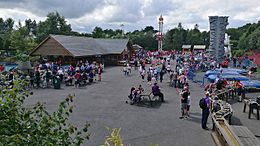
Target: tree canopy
{"points": [[23, 38]]}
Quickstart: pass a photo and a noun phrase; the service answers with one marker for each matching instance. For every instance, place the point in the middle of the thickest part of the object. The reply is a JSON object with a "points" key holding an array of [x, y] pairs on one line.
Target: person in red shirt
{"points": [[2, 68], [239, 90], [225, 83], [76, 77]]}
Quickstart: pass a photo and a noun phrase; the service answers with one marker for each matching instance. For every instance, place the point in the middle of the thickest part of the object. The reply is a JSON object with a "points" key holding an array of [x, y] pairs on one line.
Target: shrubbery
{"points": [[36, 126]]}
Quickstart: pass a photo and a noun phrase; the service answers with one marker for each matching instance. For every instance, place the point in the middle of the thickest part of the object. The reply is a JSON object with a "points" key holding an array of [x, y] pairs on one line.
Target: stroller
{"points": [[83, 79], [43, 82], [69, 81]]}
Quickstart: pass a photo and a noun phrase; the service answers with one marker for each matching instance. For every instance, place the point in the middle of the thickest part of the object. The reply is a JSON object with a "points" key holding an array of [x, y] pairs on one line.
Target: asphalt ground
{"points": [[103, 104], [239, 117]]}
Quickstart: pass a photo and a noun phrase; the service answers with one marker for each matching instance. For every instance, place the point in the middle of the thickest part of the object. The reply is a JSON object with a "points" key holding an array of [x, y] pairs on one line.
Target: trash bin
{"points": [[56, 82]]}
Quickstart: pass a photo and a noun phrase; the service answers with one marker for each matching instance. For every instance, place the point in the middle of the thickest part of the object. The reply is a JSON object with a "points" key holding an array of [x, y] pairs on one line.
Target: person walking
{"points": [[205, 111], [240, 90], [175, 79], [99, 73], [161, 75]]}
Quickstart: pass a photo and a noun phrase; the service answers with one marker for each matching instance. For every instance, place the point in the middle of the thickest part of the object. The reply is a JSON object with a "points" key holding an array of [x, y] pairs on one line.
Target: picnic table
{"points": [[148, 95], [246, 137], [252, 104]]}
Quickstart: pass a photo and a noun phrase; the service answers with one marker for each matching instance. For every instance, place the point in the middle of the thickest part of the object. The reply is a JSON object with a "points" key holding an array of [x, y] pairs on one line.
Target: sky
{"points": [[84, 15]]}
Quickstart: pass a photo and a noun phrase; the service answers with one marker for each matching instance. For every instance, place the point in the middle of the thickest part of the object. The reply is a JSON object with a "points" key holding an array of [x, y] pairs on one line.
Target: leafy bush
{"points": [[239, 53], [35, 126], [114, 139]]}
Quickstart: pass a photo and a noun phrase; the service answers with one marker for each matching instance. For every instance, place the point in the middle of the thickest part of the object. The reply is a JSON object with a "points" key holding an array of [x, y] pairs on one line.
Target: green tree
{"points": [[194, 37], [98, 33], [254, 40], [36, 126], [54, 24], [31, 27], [149, 29], [168, 41], [21, 41], [6, 27], [179, 38]]}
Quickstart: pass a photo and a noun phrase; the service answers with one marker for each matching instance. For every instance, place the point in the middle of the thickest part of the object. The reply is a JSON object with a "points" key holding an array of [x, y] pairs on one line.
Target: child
{"points": [[125, 70], [135, 96], [149, 78], [143, 75], [140, 89]]}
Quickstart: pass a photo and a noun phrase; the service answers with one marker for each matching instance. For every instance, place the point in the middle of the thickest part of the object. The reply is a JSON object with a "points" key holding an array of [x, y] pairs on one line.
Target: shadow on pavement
{"points": [[195, 118], [155, 104], [235, 121]]}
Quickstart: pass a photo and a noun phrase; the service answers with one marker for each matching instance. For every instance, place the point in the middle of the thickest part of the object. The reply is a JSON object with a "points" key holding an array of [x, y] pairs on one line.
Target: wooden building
{"points": [[186, 49], [199, 48], [69, 49]]}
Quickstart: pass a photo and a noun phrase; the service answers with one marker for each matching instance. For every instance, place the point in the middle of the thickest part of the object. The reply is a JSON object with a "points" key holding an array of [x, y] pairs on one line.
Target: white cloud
{"points": [[84, 15]]}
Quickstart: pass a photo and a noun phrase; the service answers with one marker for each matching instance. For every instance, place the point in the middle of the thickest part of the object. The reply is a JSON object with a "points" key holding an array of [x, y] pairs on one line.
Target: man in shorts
{"points": [[184, 102]]}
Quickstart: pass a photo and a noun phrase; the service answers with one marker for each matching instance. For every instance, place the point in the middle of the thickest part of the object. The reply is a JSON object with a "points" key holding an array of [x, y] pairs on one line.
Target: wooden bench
{"points": [[245, 136], [252, 105]]}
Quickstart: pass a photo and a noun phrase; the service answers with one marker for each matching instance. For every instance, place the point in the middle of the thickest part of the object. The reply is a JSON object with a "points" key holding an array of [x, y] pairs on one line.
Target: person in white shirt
{"points": [[168, 68], [188, 105], [61, 73]]}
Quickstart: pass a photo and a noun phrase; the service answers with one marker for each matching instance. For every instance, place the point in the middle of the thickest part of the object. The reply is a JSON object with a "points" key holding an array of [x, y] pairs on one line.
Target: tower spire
{"points": [[160, 35]]}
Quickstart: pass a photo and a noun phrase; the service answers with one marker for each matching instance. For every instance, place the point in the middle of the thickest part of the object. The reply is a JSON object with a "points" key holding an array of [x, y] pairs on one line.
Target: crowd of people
{"points": [[43, 74], [178, 75], [181, 69]]}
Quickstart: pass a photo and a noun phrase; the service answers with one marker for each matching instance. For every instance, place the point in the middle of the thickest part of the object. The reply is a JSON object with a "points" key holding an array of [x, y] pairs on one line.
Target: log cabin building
{"points": [[70, 49]]}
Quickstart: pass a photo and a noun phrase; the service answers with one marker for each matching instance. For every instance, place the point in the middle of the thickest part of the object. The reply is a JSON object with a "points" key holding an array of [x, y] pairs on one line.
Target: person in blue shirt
{"points": [[205, 112]]}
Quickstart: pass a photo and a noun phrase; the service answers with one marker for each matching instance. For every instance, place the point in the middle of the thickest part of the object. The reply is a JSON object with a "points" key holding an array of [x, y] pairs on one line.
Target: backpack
{"points": [[202, 103]]}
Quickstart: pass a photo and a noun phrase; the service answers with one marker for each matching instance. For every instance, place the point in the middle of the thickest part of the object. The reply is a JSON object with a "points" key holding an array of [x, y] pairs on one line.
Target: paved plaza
{"points": [[102, 104]]}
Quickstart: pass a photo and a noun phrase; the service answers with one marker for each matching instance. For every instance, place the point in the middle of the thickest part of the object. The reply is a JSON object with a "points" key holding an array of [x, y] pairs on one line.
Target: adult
{"points": [[239, 90], [157, 92], [77, 78], [205, 111], [2, 68], [99, 73], [175, 78], [184, 102], [91, 76], [61, 73], [37, 78], [181, 80], [161, 75], [234, 61]]}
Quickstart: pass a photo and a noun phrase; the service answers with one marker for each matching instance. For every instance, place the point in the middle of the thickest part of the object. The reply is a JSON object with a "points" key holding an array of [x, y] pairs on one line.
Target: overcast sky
{"points": [[84, 15]]}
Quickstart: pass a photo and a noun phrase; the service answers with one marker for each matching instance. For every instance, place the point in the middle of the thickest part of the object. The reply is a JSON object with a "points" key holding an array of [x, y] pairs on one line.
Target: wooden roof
{"points": [[61, 45], [137, 46], [199, 47], [186, 46]]}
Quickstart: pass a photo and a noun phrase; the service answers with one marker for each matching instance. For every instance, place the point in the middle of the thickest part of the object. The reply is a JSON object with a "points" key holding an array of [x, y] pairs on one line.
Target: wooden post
{"points": [[250, 110], [244, 106]]}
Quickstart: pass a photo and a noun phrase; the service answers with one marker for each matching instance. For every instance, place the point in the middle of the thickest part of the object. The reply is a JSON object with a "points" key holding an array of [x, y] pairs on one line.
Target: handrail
{"points": [[226, 135]]}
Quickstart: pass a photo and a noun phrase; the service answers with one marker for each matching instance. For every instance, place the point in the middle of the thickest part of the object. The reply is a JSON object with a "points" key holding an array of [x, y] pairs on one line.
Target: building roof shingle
{"points": [[186, 46], [199, 47], [87, 46]]}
